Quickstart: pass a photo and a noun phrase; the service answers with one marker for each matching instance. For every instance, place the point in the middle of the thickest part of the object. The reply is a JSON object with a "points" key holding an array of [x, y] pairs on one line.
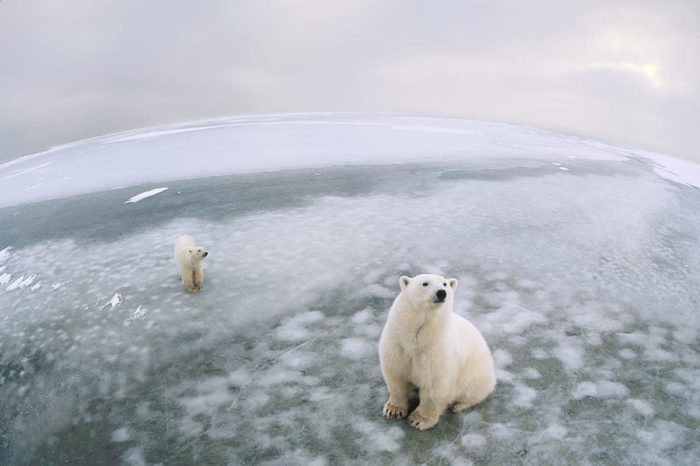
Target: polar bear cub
{"points": [[427, 346], [188, 257]]}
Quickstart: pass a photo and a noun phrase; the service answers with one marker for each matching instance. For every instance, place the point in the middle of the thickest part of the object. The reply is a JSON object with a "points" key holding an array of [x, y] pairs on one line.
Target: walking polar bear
{"points": [[425, 345], [188, 257]]}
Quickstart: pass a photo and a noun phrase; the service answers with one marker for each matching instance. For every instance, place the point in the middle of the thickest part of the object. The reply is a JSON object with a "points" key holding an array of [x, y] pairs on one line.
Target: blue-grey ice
{"points": [[579, 262]]}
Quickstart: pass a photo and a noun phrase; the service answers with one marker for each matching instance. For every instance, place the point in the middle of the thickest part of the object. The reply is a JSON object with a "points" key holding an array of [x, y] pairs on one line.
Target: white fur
{"points": [[426, 345], [188, 257]]}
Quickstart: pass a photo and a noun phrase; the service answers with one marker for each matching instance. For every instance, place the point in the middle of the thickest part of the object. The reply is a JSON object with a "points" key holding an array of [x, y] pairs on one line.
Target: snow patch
{"points": [[674, 169], [121, 435], [600, 389], [377, 291], [138, 314], [531, 373], [134, 457], [114, 302], [21, 282], [144, 195], [211, 394], [355, 348], [501, 431], [501, 360], [473, 442], [298, 360], [643, 407], [294, 329], [627, 353], [524, 396], [239, 378], [362, 317], [511, 319], [556, 431], [663, 435], [378, 437], [570, 354]]}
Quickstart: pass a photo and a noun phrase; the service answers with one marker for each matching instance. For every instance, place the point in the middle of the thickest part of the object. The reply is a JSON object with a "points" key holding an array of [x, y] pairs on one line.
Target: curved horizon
{"points": [[249, 144]]}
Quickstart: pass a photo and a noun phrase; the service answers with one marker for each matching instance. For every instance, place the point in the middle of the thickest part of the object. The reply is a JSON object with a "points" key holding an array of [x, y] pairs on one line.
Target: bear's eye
{"points": [[444, 284], [425, 283]]}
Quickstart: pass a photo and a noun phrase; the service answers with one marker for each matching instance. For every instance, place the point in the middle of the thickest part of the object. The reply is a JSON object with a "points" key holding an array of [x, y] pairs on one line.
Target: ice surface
{"points": [[584, 282]]}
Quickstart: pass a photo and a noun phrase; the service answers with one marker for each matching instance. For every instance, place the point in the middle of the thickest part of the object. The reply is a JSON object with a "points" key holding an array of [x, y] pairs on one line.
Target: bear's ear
{"points": [[403, 282], [453, 283]]}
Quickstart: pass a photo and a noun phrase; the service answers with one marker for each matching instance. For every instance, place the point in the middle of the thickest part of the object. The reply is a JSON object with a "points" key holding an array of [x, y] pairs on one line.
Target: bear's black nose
{"points": [[206, 253], [441, 294]]}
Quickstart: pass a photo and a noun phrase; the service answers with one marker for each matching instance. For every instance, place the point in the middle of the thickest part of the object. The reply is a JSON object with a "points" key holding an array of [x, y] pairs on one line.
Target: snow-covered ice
{"points": [[584, 282], [273, 142]]}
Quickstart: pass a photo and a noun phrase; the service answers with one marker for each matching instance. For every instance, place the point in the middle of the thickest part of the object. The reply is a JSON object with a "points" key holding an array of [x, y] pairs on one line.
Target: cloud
{"points": [[626, 71]]}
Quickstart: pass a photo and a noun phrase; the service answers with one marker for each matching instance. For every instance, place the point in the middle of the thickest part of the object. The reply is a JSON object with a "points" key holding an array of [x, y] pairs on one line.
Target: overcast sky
{"points": [[620, 71]]}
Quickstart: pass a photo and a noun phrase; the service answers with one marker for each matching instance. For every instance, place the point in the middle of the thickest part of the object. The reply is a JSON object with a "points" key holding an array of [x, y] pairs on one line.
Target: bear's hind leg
{"points": [[462, 404], [471, 397]]}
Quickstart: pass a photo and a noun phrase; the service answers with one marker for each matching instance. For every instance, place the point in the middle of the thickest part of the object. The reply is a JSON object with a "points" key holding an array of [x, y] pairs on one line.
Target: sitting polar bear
{"points": [[188, 257], [427, 346]]}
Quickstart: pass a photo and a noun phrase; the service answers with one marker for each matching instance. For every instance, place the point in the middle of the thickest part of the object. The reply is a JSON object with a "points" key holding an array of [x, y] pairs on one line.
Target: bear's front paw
{"points": [[193, 289], [394, 412], [421, 422]]}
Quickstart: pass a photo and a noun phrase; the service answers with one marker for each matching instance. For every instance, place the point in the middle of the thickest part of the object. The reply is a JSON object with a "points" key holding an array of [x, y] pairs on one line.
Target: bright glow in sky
{"points": [[649, 71], [624, 71]]}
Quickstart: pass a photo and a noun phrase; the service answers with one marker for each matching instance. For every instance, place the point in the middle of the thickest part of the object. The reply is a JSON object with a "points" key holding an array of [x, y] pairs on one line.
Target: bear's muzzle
{"points": [[440, 296]]}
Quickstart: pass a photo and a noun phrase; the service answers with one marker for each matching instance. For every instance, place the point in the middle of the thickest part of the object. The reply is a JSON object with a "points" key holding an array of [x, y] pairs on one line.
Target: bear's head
{"points": [[195, 255], [428, 290]]}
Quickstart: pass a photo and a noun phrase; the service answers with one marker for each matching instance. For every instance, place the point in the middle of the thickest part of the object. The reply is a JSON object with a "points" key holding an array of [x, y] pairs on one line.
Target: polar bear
{"points": [[188, 257], [425, 345]]}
